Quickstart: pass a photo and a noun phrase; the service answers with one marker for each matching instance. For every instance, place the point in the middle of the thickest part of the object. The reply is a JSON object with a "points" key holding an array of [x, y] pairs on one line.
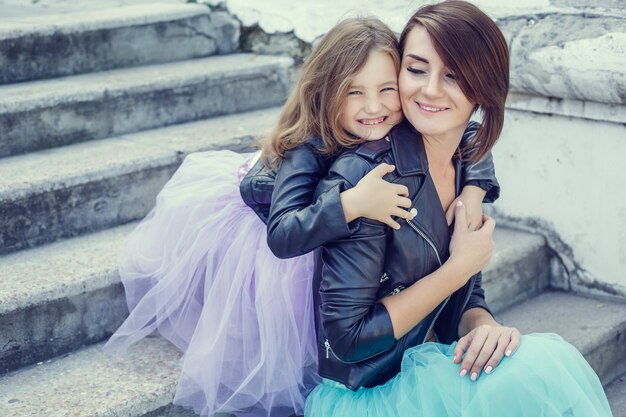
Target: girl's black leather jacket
{"points": [[356, 345], [297, 221]]}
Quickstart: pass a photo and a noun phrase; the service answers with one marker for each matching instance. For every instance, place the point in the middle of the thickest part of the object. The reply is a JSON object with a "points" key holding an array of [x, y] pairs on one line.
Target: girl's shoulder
{"points": [[354, 163]]}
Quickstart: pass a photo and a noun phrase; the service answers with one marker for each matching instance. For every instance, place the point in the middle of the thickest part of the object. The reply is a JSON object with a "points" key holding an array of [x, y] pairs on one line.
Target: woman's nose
{"points": [[432, 86]]}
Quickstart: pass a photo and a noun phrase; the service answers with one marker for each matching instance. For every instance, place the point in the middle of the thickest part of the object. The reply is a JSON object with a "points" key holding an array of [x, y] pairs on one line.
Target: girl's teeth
{"points": [[373, 122]]}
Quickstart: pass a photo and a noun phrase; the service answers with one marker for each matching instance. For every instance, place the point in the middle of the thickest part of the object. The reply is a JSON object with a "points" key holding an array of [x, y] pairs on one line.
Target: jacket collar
{"points": [[408, 150]]}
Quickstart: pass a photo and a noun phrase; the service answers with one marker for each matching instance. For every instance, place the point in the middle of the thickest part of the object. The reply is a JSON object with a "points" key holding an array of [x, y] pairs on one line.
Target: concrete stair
{"points": [[68, 294], [81, 160], [50, 113], [68, 191], [90, 41]]}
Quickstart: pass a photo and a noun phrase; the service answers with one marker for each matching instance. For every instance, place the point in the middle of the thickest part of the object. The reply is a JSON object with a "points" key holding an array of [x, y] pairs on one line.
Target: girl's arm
{"points": [[479, 184], [299, 223], [481, 174]]}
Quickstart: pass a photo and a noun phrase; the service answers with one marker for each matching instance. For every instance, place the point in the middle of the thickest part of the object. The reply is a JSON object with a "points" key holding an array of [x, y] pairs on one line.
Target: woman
{"points": [[384, 294]]}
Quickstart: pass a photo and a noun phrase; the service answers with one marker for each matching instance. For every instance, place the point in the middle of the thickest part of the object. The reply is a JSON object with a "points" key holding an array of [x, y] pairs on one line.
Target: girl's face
{"points": [[431, 98], [372, 106]]}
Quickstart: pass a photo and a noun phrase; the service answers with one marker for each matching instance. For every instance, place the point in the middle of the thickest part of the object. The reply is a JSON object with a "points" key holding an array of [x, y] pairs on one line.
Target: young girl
{"points": [[198, 269], [385, 295]]}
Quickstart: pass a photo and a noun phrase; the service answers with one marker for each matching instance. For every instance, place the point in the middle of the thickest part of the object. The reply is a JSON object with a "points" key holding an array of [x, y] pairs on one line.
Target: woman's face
{"points": [[431, 98]]}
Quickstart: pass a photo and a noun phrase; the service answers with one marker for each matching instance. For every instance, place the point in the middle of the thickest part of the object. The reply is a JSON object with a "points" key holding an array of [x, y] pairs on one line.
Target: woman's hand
{"points": [[472, 197], [470, 250], [377, 199], [484, 347]]}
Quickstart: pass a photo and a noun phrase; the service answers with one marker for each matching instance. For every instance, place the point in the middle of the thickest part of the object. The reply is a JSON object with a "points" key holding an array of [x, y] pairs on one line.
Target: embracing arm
{"points": [[298, 222], [481, 174]]}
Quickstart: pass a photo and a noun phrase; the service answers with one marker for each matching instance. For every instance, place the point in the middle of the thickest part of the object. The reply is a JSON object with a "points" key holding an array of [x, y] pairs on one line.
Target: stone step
{"points": [[616, 392], [596, 327], [36, 47], [67, 294], [86, 382], [51, 113], [77, 189]]}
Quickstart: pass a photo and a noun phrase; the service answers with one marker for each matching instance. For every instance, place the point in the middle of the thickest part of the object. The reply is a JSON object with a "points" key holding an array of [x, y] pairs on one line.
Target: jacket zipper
{"points": [[432, 245]]}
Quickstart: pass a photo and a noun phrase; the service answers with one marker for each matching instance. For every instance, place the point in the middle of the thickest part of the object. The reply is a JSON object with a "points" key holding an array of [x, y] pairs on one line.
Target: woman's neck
{"points": [[440, 150]]}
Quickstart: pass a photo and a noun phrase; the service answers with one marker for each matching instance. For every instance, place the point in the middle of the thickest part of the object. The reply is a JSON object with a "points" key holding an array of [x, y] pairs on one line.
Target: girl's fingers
{"points": [[391, 223], [401, 190], [403, 214], [404, 202]]}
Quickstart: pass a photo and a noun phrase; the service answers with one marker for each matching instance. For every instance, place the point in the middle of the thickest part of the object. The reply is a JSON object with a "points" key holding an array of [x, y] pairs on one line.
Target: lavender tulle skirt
{"points": [[198, 270]]}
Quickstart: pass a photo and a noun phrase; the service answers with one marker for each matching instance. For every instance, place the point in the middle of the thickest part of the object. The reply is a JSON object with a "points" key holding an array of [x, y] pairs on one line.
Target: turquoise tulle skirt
{"points": [[545, 377]]}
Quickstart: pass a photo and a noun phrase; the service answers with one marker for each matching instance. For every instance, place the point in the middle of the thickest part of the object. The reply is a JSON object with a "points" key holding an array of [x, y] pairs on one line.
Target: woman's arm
{"points": [[470, 251], [355, 324]]}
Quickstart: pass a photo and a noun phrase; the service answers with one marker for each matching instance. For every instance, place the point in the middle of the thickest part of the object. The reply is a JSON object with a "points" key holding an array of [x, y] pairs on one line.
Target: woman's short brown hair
{"points": [[474, 48], [313, 107]]}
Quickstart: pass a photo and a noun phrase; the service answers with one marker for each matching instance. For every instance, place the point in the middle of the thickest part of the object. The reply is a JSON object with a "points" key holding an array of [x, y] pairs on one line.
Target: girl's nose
{"points": [[372, 105]]}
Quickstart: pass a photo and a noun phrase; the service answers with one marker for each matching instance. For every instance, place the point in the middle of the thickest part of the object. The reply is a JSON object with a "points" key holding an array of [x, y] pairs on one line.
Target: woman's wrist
{"points": [[473, 318]]}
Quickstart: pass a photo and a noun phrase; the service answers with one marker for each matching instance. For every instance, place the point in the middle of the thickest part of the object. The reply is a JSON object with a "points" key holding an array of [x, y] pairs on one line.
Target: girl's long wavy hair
{"points": [[314, 105], [474, 48]]}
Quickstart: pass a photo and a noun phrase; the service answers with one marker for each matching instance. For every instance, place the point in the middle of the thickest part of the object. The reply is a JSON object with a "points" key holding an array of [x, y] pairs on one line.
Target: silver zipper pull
{"points": [[327, 345]]}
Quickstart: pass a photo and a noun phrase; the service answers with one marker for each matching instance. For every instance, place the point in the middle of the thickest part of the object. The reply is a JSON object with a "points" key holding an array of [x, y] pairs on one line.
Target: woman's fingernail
{"points": [[508, 352], [459, 203], [474, 376], [488, 370], [463, 373], [454, 360]]}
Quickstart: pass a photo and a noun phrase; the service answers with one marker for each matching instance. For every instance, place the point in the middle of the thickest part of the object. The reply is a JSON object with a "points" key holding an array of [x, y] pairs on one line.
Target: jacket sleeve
{"points": [[298, 221], [482, 173], [355, 324], [477, 296]]}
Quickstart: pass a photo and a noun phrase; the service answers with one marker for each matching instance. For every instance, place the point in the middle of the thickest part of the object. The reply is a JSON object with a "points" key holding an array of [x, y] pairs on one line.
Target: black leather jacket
{"points": [[297, 222], [356, 343]]}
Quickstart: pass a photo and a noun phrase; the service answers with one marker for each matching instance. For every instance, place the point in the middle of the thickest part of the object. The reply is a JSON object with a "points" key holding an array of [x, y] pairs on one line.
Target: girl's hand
{"points": [[484, 347], [470, 250], [472, 197], [377, 199]]}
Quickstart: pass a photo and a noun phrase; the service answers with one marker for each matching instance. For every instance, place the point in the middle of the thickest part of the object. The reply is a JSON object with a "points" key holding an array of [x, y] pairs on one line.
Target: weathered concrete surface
{"points": [[616, 393], [597, 328], [64, 192], [58, 45], [519, 268], [549, 106], [577, 56], [562, 177], [61, 296], [51, 113], [88, 383]]}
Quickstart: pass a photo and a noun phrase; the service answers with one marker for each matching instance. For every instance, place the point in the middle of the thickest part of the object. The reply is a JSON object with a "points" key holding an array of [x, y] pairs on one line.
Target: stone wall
{"points": [[560, 157]]}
